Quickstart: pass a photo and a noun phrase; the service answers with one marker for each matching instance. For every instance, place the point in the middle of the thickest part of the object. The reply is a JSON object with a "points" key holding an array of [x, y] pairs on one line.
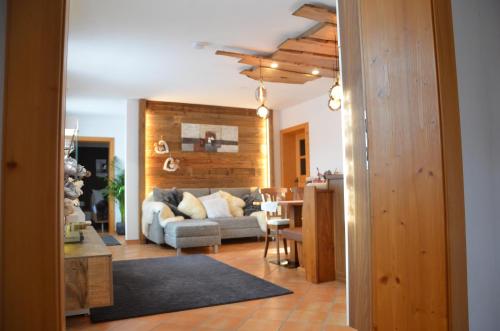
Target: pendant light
{"points": [[335, 96], [261, 95]]}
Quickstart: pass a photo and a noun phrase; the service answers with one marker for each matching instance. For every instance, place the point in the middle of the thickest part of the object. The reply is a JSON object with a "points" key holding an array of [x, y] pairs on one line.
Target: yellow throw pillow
{"points": [[192, 207], [235, 204], [166, 212]]}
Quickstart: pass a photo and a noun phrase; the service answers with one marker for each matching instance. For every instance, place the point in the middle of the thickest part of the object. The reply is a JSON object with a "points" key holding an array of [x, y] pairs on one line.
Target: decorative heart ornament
{"points": [[161, 147], [171, 165]]}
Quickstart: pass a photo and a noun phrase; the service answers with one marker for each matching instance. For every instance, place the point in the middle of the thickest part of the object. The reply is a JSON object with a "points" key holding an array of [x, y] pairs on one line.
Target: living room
{"points": [[260, 163], [200, 160]]}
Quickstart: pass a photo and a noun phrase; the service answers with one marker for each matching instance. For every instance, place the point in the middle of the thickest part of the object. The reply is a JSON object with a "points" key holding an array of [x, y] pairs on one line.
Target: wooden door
{"points": [[295, 155], [301, 160]]}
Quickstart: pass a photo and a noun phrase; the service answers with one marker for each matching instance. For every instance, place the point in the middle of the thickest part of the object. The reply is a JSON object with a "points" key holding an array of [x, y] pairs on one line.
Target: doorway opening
{"points": [[96, 154]]}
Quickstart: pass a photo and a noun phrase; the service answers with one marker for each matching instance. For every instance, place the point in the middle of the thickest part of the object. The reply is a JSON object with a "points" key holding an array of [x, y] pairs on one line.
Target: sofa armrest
{"points": [[151, 227]]}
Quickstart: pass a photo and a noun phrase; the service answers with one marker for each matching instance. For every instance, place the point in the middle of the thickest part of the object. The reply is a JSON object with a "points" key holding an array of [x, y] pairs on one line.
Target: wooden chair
{"points": [[275, 220]]}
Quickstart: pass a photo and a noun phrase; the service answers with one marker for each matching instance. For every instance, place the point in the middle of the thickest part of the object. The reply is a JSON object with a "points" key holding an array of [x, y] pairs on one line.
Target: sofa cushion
{"points": [[216, 207], [235, 204], [236, 191], [190, 205], [192, 228], [250, 199], [170, 196], [236, 222], [197, 192]]}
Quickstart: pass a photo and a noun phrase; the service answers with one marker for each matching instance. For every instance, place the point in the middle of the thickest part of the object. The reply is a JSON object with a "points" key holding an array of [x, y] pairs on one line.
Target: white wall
{"points": [[477, 42], [132, 173], [92, 124], [325, 134]]}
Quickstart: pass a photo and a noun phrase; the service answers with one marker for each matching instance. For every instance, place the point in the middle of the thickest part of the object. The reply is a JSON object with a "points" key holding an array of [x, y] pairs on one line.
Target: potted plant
{"points": [[116, 190]]}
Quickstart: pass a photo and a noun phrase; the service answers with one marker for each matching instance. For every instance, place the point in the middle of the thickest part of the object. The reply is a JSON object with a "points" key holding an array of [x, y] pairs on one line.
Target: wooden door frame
{"points": [[110, 141], [359, 216], [34, 95], [299, 127], [31, 256]]}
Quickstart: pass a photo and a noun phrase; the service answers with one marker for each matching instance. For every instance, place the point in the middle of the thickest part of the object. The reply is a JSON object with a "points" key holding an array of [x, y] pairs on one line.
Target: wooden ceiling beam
{"points": [[311, 59], [318, 46], [298, 67], [278, 76], [317, 13], [325, 31]]}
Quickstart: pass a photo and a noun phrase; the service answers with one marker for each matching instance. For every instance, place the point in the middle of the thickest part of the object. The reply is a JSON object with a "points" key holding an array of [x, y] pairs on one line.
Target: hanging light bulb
{"points": [[336, 95], [261, 95], [263, 111]]}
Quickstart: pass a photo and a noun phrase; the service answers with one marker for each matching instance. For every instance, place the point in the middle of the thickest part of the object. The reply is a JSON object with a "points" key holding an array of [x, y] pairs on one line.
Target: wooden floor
{"points": [[311, 307]]}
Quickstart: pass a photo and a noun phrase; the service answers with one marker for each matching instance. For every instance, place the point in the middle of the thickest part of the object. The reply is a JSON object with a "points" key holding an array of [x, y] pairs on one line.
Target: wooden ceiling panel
{"points": [[297, 67], [279, 76], [325, 31], [317, 13], [297, 58], [312, 59], [318, 46]]}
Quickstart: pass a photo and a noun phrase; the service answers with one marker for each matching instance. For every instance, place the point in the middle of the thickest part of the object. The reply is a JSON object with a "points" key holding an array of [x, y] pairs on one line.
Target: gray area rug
{"points": [[162, 285], [110, 240]]}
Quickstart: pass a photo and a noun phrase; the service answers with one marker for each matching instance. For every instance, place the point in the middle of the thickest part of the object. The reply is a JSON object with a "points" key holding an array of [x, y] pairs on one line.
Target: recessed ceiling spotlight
{"points": [[315, 72], [274, 65]]}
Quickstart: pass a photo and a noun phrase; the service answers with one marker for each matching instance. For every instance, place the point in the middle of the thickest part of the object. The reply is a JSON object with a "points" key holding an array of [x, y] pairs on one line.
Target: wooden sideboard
{"points": [[88, 273]]}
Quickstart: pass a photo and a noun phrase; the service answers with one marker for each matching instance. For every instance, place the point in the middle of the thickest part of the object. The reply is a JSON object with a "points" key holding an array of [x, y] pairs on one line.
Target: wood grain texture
{"points": [[325, 31], [32, 292], [278, 75], [312, 59], [318, 46], [111, 174], [317, 13], [317, 231], [336, 184], [288, 153], [357, 191], [247, 168], [452, 166], [296, 67], [407, 198], [88, 273]]}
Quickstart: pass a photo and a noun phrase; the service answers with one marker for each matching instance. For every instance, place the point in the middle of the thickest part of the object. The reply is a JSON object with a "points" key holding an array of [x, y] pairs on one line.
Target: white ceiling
{"points": [[124, 49]]}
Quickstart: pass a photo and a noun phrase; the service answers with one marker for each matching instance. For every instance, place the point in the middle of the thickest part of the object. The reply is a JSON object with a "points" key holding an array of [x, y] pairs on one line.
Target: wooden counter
{"points": [[88, 273]]}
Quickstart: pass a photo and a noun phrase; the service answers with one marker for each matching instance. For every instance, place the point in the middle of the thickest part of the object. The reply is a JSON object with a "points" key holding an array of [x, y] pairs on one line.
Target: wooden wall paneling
{"points": [[317, 13], [452, 165], [357, 193], [32, 287], [247, 168]]}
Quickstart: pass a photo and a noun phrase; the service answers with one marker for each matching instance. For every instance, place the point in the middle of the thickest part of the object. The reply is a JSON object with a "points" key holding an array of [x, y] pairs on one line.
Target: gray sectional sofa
{"points": [[207, 232]]}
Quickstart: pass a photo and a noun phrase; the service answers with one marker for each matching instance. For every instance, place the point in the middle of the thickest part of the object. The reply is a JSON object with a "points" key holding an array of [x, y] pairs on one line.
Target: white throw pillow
{"points": [[192, 207], [235, 204], [216, 207]]}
